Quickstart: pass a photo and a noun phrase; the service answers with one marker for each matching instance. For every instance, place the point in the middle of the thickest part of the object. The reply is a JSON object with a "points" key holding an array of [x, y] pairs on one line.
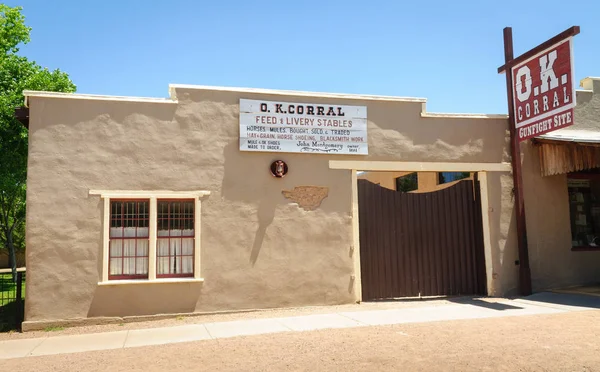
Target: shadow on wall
{"points": [[243, 182], [266, 213], [503, 235], [256, 194]]}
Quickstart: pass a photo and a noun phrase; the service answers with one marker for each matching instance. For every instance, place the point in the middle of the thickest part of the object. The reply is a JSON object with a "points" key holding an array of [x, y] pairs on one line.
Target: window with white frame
{"points": [[151, 236]]}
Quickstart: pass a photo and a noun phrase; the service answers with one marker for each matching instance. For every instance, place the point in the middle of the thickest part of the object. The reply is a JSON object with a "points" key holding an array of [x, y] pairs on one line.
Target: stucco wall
{"points": [[503, 235], [259, 249], [552, 262]]}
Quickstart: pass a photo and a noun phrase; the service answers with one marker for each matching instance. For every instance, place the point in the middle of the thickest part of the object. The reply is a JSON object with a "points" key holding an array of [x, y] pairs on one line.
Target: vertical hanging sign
{"points": [[541, 97], [543, 91]]}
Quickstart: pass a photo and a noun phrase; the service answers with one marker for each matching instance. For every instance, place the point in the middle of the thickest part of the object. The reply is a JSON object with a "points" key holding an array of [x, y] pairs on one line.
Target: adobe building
{"points": [[225, 199], [562, 197]]}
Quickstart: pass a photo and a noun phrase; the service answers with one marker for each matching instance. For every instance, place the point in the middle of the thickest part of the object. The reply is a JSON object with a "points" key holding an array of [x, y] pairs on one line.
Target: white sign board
{"points": [[268, 126]]}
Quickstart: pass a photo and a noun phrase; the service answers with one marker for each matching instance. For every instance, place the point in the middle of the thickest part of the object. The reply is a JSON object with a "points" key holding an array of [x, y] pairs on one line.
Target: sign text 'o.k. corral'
{"points": [[544, 91], [268, 126]]}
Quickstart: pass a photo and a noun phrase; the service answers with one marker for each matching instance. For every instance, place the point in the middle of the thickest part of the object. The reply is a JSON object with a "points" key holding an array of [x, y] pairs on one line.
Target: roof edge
{"points": [[462, 116], [571, 135], [281, 92], [44, 94]]}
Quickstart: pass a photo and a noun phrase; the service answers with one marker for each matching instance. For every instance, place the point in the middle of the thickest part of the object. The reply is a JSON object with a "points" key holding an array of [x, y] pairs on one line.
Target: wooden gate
{"points": [[421, 244]]}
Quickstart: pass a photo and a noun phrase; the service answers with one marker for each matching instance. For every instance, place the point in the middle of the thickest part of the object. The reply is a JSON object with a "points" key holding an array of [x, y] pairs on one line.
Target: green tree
{"points": [[17, 74]]}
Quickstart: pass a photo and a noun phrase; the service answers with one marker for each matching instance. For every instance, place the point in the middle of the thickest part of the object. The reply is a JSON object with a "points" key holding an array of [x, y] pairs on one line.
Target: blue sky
{"points": [[445, 51]]}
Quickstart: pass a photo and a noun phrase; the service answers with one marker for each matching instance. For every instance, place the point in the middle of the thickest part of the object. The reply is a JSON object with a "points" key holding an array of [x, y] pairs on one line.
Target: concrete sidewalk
{"points": [[459, 309]]}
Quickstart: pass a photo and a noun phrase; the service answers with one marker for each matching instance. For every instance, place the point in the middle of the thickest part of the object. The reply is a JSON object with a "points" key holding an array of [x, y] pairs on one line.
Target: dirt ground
{"points": [[558, 342]]}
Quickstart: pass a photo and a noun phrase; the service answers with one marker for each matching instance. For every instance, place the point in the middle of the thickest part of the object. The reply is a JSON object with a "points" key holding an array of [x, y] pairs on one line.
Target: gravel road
{"points": [[558, 342]]}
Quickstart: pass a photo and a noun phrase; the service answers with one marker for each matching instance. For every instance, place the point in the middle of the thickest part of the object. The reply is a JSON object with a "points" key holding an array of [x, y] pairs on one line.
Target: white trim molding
{"points": [[463, 116], [356, 239], [279, 92], [42, 94], [487, 237], [153, 197], [157, 281], [105, 239], [399, 166], [143, 194]]}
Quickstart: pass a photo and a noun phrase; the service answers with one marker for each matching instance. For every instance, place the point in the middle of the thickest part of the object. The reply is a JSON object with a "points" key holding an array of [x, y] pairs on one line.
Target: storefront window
{"points": [[407, 183], [584, 203], [445, 177]]}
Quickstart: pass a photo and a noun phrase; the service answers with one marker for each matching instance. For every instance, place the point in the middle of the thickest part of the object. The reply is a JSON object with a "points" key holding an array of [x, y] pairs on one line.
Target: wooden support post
{"points": [[515, 152], [509, 62]]}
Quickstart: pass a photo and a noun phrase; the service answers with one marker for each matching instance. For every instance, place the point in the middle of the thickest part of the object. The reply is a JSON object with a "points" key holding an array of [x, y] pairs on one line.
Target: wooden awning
{"points": [[565, 156]]}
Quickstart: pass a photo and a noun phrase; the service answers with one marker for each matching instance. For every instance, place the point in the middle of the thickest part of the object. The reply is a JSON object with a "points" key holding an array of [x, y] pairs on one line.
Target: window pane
{"points": [[116, 232], [129, 247], [162, 265], [187, 264], [174, 265], [116, 248], [187, 246], [143, 232], [445, 177], [584, 205], [142, 248], [162, 247], [129, 233], [174, 253], [115, 266], [175, 246], [141, 265], [128, 266], [407, 183], [116, 210]]}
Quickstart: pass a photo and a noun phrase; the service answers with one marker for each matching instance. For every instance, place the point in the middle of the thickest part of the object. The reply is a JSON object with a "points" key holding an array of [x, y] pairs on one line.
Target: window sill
{"points": [[585, 249], [157, 281]]}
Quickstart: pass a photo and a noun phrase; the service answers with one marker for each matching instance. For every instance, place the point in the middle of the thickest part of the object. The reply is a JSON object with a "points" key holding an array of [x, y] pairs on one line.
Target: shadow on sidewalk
{"points": [[483, 303], [579, 299], [565, 299], [463, 300]]}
